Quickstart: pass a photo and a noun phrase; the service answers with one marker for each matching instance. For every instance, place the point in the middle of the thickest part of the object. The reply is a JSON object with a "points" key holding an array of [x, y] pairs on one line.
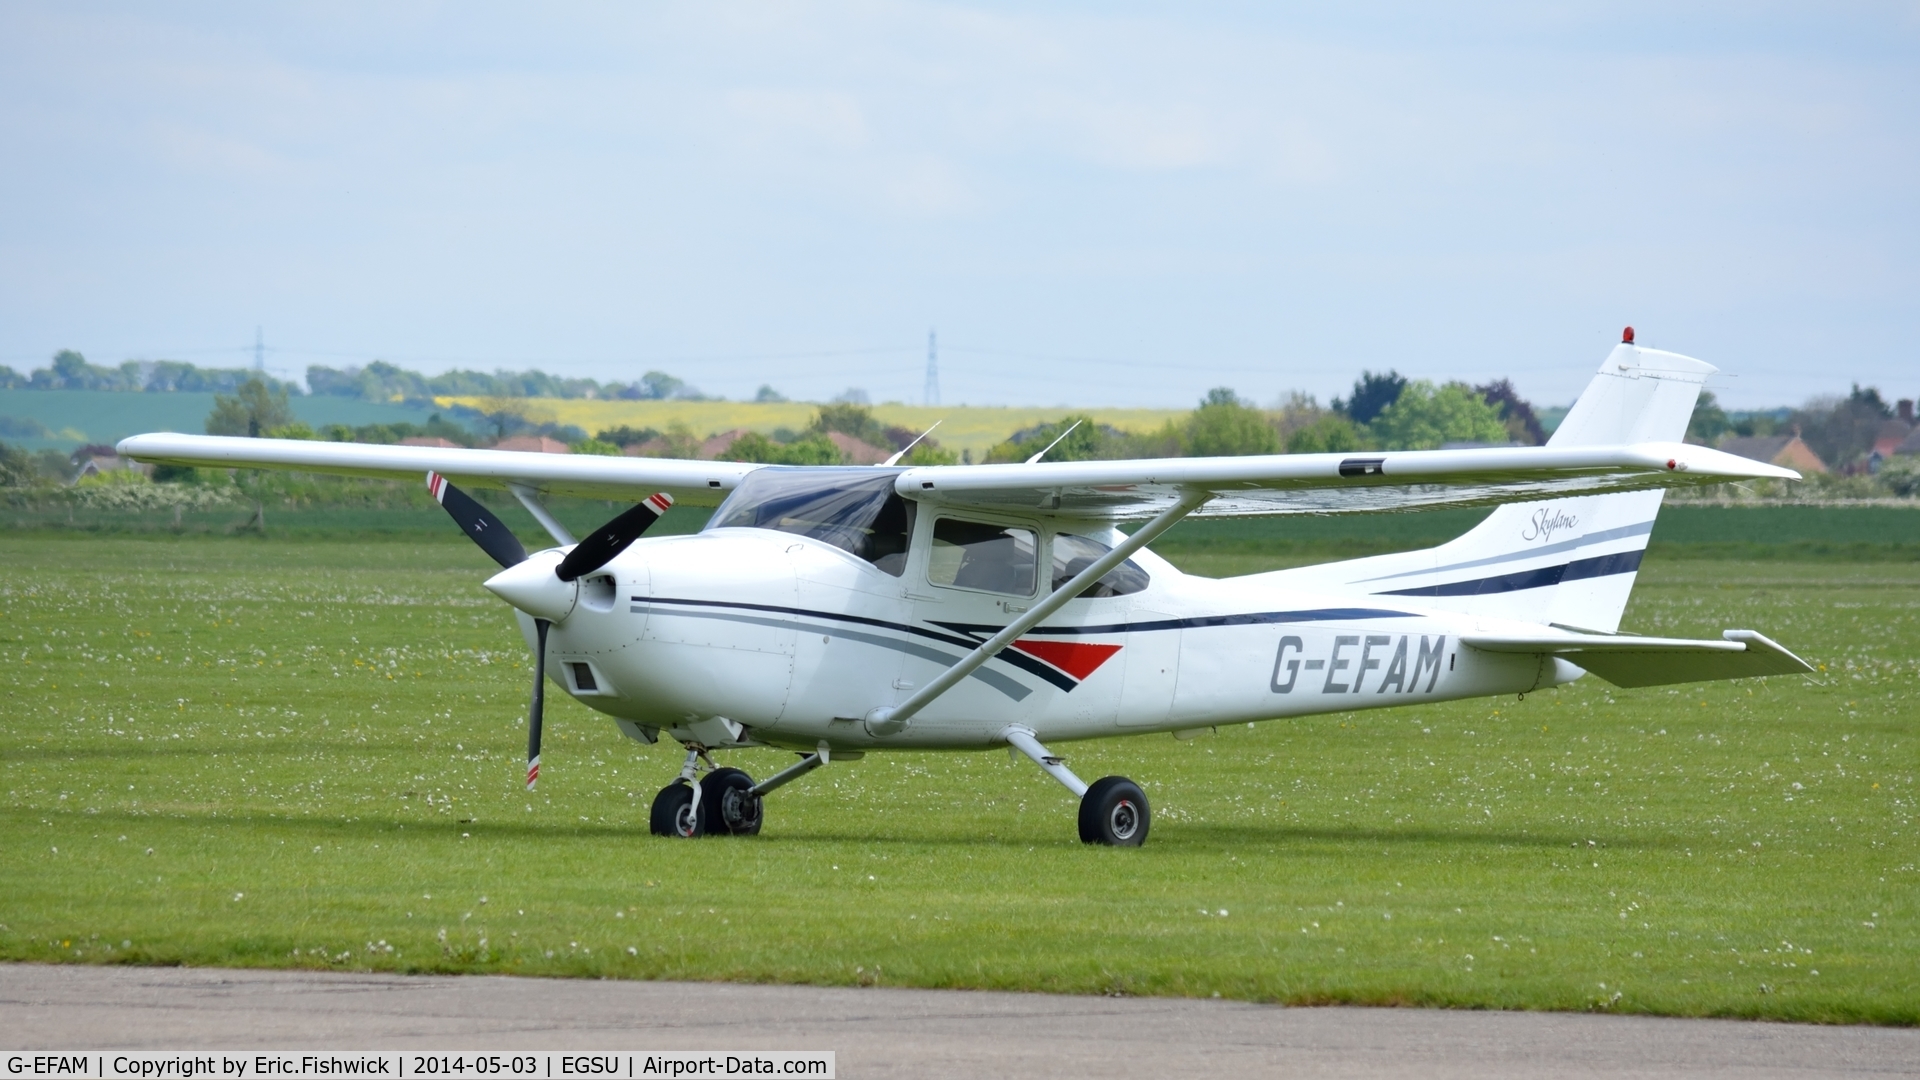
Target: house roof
{"points": [[539, 444], [713, 447], [1787, 450], [654, 447], [858, 451], [1891, 435], [94, 464], [1756, 447]]}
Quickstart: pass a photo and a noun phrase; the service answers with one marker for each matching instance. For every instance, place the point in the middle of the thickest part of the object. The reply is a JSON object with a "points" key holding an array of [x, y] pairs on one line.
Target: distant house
{"points": [[1891, 436], [1784, 450], [539, 444], [654, 447], [1885, 442], [858, 451], [1910, 444], [95, 464], [437, 441], [714, 446]]}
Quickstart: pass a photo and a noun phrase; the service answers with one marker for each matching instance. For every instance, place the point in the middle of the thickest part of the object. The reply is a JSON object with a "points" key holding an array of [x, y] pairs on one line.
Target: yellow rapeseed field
{"points": [[963, 427]]}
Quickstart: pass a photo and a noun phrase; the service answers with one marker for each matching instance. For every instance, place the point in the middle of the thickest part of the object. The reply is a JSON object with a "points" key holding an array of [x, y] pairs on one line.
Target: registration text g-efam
{"points": [[395, 1065]]}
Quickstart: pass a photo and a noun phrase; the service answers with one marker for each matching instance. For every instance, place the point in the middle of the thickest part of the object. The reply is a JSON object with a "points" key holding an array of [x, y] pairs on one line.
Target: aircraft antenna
{"points": [[1054, 443], [933, 370], [902, 452]]}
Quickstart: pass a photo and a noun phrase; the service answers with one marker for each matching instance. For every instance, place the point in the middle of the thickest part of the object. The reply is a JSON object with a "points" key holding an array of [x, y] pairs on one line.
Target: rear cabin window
{"points": [[855, 510], [1072, 554], [976, 555]]}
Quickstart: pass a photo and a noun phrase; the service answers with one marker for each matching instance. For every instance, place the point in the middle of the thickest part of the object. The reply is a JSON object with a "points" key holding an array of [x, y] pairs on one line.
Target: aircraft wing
{"points": [[1630, 661], [699, 483], [1360, 482]]}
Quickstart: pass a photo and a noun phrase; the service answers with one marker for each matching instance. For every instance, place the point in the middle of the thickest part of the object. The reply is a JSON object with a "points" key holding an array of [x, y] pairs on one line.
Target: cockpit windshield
{"points": [[855, 510]]}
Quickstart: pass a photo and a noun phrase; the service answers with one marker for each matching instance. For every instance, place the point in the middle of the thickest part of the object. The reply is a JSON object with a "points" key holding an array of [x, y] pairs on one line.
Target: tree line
{"points": [[1384, 412], [376, 381], [70, 370]]}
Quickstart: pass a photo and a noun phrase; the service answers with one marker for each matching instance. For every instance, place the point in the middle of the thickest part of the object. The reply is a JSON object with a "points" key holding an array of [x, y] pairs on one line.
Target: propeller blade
{"points": [[536, 710], [477, 521], [612, 538]]}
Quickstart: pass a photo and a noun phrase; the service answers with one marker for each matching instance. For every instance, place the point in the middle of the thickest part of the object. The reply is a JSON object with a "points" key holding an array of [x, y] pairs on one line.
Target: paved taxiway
{"points": [[903, 1033]]}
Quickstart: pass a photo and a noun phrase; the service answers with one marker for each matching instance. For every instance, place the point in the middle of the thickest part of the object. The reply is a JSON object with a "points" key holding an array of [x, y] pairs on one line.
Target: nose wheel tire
{"points": [[732, 809], [674, 813], [1114, 812]]}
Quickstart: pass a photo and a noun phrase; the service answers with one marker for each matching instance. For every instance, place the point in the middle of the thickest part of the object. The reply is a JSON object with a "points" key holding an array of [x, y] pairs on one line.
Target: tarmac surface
{"points": [[902, 1033]]}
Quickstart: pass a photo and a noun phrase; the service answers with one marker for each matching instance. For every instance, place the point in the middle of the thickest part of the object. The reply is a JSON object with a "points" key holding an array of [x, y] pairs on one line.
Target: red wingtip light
{"points": [[1626, 336]]}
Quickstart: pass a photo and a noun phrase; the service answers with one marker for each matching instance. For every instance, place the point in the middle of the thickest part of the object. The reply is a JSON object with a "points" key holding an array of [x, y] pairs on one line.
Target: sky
{"points": [[1112, 204]]}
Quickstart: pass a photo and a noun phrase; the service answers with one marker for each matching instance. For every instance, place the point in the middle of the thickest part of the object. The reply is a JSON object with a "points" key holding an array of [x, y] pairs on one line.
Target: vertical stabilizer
{"points": [[1571, 561], [1639, 395]]}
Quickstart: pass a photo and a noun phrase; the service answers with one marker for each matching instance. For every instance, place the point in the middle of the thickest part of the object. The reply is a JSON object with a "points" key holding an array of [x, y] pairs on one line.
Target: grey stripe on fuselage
{"points": [[1002, 683], [1639, 529]]}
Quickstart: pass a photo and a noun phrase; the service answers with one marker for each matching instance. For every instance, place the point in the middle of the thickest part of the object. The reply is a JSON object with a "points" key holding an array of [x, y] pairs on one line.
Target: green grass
{"points": [[288, 753]]}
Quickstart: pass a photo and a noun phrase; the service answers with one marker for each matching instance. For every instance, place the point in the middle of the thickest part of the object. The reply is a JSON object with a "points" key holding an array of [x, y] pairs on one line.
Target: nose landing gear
{"points": [[682, 807], [679, 811], [724, 802]]}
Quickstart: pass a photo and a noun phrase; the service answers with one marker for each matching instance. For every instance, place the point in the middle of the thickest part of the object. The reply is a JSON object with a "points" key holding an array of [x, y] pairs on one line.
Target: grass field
{"points": [[306, 752]]}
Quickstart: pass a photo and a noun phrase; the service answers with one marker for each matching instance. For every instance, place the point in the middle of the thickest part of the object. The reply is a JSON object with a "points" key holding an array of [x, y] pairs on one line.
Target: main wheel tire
{"points": [[1114, 812], [674, 813], [732, 807]]}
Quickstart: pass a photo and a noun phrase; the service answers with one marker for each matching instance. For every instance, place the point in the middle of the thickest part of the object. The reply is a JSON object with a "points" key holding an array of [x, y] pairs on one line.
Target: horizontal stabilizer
{"points": [[1631, 661]]}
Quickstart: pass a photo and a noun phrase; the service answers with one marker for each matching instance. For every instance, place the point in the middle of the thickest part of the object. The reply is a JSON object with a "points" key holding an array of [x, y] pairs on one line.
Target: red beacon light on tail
{"points": [[1626, 336]]}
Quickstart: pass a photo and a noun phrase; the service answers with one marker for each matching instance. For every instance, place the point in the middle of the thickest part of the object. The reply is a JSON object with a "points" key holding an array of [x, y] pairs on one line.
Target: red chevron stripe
{"points": [[1077, 658]]}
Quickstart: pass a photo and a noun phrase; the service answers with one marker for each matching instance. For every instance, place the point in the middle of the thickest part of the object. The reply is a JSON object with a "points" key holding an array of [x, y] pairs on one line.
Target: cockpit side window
{"points": [[976, 555], [1072, 554], [855, 510]]}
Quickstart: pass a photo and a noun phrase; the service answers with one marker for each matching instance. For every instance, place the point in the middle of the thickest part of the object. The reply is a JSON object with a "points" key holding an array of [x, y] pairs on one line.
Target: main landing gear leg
{"points": [[1113, 810]]}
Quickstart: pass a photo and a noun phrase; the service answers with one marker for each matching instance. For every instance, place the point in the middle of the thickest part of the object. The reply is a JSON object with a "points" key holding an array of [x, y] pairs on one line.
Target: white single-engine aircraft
{"points": [[836, 611]]}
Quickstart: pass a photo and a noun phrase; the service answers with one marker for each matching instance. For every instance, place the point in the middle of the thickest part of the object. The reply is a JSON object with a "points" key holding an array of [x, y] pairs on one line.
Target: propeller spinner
{"points": [[545, 585]]}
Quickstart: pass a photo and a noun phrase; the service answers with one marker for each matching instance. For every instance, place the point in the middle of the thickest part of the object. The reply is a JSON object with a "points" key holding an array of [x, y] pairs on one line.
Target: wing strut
{"points": [[893, 720], [529, 499]]}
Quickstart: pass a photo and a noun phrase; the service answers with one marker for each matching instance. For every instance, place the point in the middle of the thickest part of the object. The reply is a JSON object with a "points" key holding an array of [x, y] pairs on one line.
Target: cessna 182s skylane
{"points": [[837, 611]]}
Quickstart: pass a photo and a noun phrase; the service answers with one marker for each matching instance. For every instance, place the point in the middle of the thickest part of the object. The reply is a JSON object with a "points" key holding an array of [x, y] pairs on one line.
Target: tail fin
{"points": [[1570, 562]]}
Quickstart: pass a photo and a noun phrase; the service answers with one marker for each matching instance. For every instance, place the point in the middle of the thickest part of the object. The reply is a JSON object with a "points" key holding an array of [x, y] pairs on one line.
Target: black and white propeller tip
{"points": [[614, 537], [477, 522]]}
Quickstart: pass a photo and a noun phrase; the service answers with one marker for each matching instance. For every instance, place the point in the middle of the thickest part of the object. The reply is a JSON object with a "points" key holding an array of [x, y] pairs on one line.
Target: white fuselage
{"points": [[798, 641]]}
